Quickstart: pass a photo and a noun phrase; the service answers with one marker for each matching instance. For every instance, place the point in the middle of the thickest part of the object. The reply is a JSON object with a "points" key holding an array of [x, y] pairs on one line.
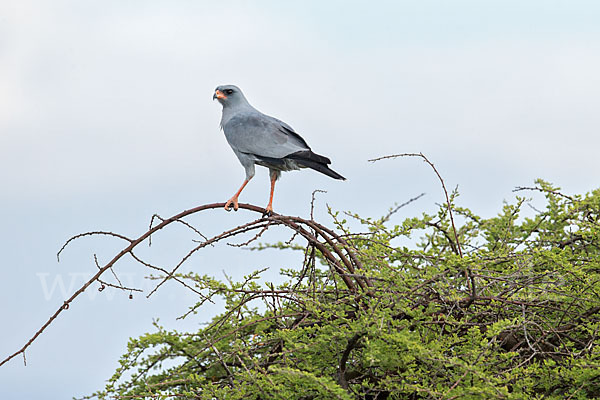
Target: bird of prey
{"points": [[257, 138]]}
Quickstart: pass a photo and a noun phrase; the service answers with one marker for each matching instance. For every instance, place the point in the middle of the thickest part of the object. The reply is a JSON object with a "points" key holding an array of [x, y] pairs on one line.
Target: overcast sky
{"points": [[106, 117]]}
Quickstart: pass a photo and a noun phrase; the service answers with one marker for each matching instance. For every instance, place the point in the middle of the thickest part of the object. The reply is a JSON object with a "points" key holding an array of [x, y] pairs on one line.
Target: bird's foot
{"points": [[232, 202], [269, 210]]}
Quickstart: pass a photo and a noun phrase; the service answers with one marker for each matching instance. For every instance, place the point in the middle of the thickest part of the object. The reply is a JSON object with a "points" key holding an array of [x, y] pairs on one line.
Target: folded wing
{"points": [[274, 142], [261, 135]]}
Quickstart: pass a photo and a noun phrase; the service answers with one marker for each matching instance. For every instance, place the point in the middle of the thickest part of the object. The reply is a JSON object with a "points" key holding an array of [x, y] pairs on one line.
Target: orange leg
{"points": [[270, 205], [234, 199]]}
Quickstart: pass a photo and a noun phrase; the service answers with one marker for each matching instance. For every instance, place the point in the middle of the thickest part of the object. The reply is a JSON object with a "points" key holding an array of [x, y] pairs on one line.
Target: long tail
{"points": [[314, 161]]}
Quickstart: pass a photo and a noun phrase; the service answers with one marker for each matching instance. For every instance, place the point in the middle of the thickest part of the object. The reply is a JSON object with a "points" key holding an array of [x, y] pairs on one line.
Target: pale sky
{"points": [[106, 117]]}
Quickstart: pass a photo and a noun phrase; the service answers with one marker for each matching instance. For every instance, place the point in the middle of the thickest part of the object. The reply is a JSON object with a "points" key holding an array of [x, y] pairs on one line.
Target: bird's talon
{"points": [[231, 203], [268, 211]]}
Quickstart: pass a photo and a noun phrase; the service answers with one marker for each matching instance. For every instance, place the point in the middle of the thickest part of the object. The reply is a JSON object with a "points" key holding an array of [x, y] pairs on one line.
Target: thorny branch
{"points": [[441, 181], [331, 249], [448, 203]]}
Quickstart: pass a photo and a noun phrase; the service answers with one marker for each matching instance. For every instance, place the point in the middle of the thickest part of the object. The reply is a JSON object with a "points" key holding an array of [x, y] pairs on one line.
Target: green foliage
{"points": [[515, 317]]}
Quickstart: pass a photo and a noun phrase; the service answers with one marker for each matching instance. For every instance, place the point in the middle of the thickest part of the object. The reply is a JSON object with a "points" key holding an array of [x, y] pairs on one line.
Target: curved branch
{"points": [[294, 223], [344, 359], [126, 250], [441, 181]]}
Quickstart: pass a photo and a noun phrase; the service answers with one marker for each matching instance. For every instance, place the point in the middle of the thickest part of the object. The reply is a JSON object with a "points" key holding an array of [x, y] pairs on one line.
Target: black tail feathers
{"points": [[314, 161]]}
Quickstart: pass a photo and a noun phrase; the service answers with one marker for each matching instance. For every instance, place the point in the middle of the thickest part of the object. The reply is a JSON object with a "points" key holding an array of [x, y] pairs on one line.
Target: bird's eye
{"points": [[228, 91]]}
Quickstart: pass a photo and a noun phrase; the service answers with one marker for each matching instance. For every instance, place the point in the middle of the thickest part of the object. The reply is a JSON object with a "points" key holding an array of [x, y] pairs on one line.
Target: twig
{"points": [[538, 189], [395, 209], [312, 202]]}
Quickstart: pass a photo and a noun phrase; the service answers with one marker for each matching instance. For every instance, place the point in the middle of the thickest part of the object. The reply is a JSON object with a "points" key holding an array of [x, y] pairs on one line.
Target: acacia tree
{"points": [[499, 308]]}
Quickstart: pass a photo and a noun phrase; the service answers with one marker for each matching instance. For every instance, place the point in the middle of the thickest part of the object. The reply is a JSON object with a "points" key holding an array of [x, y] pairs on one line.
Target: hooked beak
{"points": [[219, 95]]}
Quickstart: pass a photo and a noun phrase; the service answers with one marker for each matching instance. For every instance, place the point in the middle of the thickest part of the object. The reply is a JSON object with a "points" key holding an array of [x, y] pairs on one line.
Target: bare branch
{"points": [[294, 223]]}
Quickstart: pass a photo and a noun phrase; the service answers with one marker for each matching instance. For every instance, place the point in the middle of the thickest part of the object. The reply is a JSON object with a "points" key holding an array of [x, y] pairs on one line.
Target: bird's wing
{"points": [[261, 135]]}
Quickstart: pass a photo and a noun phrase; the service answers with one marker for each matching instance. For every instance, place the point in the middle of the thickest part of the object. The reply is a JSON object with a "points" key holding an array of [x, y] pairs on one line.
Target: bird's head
{"points": [[229, 95]]}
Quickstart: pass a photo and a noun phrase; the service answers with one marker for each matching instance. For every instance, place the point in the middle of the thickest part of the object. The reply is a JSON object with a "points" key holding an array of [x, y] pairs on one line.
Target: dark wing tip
{"points": [[314, 161]]}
